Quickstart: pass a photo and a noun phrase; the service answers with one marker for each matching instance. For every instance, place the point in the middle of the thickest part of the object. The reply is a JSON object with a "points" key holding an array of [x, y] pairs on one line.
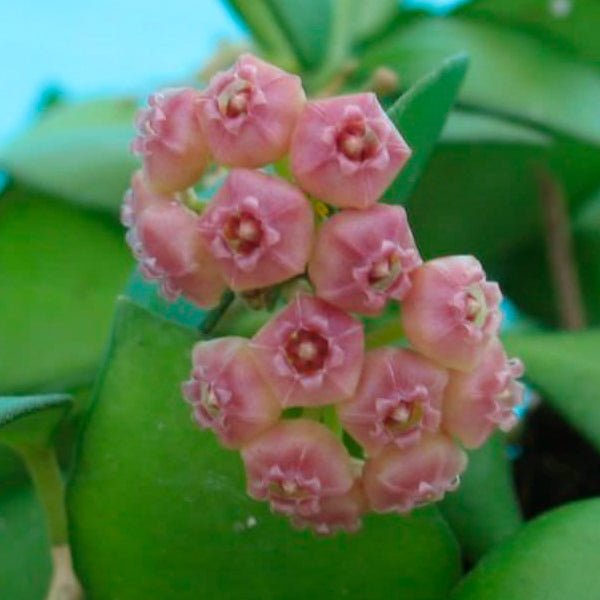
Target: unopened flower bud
{"points": [[295, 466], [259, 228], [249, 112], [311, 353], [478, 402], [227, 392], [398, 481], [346, 151], [451, 312], [165, 240], [399, 397], [336, 513], [170, 140], [363, 258]]}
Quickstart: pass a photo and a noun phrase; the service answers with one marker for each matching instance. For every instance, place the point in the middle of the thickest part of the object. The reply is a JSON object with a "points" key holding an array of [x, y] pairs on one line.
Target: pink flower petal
{"points": [[345, 150], [310, 361]]}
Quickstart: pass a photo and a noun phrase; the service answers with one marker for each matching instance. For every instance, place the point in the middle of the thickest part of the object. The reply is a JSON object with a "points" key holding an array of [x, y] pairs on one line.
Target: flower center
{"points": [[243, 233], [306, 351], [209, 400], [403, 417], [476, 309], [287, 488], [357, 141], [385, 272], [234, 100]]}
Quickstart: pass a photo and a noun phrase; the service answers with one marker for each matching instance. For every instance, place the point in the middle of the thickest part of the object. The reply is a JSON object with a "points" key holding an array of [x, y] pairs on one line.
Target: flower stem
{"points": [[332, 422], [389, 332], [326, 415], [214, 316]]}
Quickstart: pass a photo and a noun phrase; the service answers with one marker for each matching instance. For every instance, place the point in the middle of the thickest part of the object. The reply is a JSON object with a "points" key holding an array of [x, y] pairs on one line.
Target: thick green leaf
{"points": [[473, 128], [266, 31], [24, 553], [307, 24], [420, 115], [77, 152], [484, 510], [572, 24], [371, 16], [479, 192], [158, 508], [565, 367], [31, 420], [511, 73], [553, 558], [147, 294], [472, 197], [12, 469], [527, 272], [61, 271], [13, 472]]}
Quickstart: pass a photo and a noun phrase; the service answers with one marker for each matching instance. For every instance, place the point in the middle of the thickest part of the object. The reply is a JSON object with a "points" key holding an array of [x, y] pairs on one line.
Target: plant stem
{"points": [[64, 584], [214, 316], [48, 482], [44, 470], [560, 251]]}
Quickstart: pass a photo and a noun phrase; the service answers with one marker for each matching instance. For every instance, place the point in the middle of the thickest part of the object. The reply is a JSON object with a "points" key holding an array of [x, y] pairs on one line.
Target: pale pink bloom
{"points": [[311, 353], [170, 140], [337, 513], [295, 466], [478, 402], [399, 397], [228, 394], [346, 151], [138, 198], [363, 258], [400, 480], [164, 238], [249, 112], [259, 228], [451, 312]]}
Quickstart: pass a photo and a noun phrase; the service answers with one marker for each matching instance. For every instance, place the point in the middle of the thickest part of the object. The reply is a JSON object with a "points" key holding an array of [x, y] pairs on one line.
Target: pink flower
{"points": [[399, 397], [227, 392], [296, 465], [346, 151], [138, 198], [477, 402], [398, 481], [451, 312], [249, 112], [337, 513], [259, 229], [170, 140], [311, 353], [363, 258], [165, 240]]}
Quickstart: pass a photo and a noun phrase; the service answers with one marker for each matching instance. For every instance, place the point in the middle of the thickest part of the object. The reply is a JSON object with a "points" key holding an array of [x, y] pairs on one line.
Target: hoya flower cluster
{"points": [[327, 430]]}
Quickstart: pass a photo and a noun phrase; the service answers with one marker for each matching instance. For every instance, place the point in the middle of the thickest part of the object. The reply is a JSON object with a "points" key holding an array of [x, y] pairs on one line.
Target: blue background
{"points": [[89, 48]]}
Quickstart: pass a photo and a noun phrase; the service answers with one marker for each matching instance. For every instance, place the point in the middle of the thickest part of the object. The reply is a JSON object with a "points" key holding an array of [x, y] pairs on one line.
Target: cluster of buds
{"points": [[327, 429]]}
